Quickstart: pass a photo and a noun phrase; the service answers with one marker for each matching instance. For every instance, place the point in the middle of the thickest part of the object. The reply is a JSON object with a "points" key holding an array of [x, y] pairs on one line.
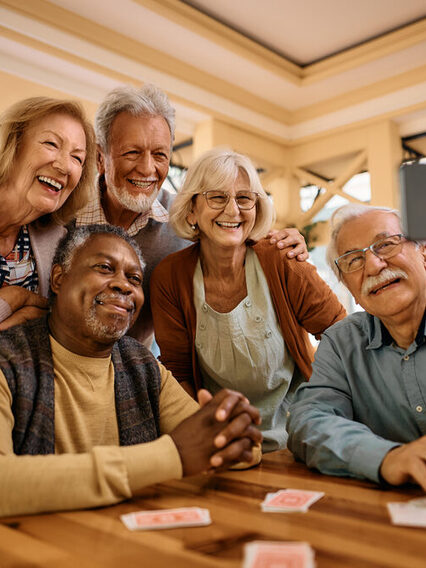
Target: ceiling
{"points": [[289, 71], [312, 30]]}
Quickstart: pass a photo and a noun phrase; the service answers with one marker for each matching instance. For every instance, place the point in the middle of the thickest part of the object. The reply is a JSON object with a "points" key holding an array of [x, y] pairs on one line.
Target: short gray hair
{"points": [[340, 217], [148, 100], [215, 169], [77, 237]]}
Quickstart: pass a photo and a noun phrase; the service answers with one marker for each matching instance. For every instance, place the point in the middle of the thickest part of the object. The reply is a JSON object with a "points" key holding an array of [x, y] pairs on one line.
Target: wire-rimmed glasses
{"points": [[216, 199], [383, 248]]}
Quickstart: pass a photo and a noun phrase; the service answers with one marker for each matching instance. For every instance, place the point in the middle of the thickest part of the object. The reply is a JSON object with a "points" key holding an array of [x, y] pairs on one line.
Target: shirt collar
{"points": [[421, 334], [94, 213], [379, 335]]}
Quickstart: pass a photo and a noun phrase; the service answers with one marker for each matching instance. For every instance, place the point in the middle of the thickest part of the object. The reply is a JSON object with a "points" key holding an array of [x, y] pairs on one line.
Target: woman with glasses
{"points": [[231, 311]]}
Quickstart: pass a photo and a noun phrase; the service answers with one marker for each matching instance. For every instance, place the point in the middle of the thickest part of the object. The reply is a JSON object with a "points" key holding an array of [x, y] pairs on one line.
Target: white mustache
{"points": [[386, 275]]}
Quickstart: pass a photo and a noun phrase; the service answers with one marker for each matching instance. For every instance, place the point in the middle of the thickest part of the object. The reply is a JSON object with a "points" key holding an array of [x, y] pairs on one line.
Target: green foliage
{"points": [[310, 238]]}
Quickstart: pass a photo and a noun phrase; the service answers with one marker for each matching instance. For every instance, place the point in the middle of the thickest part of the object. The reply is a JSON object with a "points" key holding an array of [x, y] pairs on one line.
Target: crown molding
{"points": [[209, 28], [371, 50], [71, 23]]}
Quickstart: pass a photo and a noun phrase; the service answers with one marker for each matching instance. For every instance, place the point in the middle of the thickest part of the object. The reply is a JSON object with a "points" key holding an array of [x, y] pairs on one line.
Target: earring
{"points": [[193, 227]]}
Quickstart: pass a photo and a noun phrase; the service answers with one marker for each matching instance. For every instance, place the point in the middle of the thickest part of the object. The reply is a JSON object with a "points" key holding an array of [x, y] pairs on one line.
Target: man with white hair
{"points": [[135, 129], [363, 412]]}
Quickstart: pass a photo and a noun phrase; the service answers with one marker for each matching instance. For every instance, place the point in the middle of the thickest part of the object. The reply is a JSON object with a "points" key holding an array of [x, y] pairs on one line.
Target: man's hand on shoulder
{"points": [[25, 305], [290, 238], [406, 464], [220, 434]]}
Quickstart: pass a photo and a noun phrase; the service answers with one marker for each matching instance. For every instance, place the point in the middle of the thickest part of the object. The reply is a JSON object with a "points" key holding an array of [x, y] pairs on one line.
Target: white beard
{"points": [[137, 203], [103, 331]]}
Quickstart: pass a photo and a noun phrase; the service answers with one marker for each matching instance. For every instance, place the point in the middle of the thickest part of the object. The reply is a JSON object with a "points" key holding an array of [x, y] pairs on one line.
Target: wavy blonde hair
{"points": [[13, 124], [217, 169]]}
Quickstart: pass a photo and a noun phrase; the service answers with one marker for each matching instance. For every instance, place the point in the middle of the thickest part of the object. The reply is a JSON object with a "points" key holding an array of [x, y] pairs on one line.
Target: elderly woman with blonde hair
{"points": [[232, 312], [47, 159]]}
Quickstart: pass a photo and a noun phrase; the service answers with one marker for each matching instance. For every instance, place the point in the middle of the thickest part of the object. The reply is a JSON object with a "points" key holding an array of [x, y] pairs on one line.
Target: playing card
{"points": [[409, 514], [167, 518], [419, 502], [287, 500], [269, 554]]}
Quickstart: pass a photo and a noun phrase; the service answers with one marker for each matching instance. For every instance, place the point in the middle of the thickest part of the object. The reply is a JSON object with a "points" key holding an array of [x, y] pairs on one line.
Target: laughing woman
{"points": [[47, 153], [231, 313]]}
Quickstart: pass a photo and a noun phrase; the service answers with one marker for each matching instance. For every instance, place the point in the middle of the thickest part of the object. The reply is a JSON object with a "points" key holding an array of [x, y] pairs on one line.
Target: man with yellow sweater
{"points": [[88, 417]]}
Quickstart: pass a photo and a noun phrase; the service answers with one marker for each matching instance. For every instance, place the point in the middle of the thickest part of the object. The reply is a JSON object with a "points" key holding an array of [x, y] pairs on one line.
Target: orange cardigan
{"points": [[302, 300]]}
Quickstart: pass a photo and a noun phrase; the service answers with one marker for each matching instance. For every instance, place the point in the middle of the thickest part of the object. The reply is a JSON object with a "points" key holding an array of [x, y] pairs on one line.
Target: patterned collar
{"points": [[18, 267], [93, 212]]}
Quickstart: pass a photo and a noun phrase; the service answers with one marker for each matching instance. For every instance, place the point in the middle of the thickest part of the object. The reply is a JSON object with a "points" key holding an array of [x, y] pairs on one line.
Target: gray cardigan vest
{"points": [[26, 361]]}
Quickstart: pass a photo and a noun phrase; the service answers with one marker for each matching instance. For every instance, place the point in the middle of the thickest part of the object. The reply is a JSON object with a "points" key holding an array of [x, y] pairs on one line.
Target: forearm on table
{"points": [[103, 476], [34, 484], [335, 445]]}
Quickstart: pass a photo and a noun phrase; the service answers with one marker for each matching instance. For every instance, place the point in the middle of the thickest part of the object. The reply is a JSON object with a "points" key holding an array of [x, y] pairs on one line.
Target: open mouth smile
{"points": [[51, 183], [142, 184], [228, 225]]}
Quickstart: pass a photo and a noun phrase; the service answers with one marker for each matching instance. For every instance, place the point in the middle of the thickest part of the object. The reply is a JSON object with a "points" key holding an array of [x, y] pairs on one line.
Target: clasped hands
{"points": [[223, 432]]}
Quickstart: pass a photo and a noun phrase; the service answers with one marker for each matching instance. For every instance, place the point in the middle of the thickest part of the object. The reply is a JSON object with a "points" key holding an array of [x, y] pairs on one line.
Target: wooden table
{"points": [[348, 527]]}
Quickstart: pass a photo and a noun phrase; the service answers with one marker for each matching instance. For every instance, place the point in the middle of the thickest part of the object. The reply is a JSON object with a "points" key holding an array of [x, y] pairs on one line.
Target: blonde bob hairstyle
{"points": [[13, 124], [218, 169]]}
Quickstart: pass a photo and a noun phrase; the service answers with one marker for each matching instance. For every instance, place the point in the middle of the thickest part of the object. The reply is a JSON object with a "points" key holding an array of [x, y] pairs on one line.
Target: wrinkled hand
{"points": [[221, 433], [25, 305], [231, 406], [21, 316], [290, 238], [405, 464]]}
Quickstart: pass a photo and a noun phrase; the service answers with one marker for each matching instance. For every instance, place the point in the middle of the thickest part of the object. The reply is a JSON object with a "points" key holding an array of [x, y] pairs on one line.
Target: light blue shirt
{"points": [[366, 396]]}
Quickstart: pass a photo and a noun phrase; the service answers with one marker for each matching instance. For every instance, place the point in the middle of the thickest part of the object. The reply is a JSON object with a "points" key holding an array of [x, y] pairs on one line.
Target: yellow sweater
{"points": [[88, 468]]}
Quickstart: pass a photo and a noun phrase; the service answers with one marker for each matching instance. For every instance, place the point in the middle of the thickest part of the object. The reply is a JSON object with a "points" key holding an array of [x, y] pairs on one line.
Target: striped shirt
{"points": [[18, 268]]}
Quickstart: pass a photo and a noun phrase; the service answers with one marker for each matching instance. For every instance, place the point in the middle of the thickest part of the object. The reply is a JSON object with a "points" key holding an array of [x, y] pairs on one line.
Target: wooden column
{"points": [[384, 155]]}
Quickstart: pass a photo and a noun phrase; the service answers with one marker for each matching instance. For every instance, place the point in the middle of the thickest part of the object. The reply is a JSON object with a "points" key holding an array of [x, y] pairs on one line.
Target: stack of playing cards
{"points": [[290, 500], [167, 519], [410, 514], [264, 554]]}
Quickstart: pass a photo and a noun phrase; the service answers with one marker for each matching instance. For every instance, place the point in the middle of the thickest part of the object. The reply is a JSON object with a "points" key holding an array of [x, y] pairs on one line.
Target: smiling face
{"points": [[137, 160], [384, 288], [98, 298], [48, 164], [229, 227]]}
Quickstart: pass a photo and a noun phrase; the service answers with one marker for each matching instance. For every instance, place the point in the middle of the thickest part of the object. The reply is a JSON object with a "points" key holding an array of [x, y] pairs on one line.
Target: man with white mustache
{"points": [[135, 130], [363, 413]]}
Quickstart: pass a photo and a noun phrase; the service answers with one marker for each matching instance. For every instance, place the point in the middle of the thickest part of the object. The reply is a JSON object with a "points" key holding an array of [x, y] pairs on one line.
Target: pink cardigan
{"points": [[302, 300]]}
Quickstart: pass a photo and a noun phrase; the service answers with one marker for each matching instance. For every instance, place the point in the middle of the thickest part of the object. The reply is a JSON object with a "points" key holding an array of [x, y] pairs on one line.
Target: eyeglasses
{"points": [[383, 249], [245, 200]]}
